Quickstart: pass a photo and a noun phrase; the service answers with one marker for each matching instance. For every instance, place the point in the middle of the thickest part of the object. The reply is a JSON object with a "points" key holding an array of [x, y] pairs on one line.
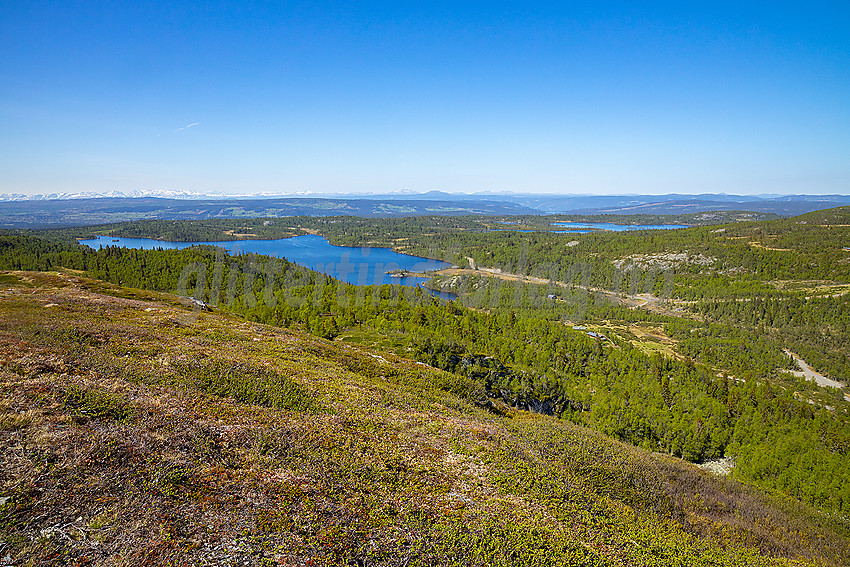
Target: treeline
{"points": [[742, 249], [206, 230], [799, 248], [816, 328], [513, 353], [724, 266]]}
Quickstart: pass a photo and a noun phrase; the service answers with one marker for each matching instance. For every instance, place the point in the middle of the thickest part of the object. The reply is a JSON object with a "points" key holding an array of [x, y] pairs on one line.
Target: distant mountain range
{"points": [[157, 194], [70, 209], [88, 211], [671, 204]]}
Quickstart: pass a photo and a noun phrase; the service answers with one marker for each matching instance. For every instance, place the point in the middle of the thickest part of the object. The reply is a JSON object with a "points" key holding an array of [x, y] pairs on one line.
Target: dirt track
{"points": [[809, 373], [646, 301]]}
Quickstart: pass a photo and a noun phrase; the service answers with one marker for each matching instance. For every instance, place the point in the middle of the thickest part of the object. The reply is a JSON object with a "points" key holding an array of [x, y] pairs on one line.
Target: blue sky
{"points": [[603, 98]]}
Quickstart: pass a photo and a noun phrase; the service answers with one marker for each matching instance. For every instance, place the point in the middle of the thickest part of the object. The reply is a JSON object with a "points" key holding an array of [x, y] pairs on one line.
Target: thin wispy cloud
{"points": [[187, 126]]}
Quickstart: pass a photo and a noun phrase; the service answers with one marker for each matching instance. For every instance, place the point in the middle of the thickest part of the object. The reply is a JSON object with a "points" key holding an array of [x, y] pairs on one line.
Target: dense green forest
{"points": [[719, 393], [773, 278], [234, 229], [720, 268]]}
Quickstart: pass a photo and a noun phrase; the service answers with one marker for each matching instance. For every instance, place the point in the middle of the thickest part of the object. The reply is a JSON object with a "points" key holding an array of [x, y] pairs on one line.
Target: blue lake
{"points": [[577, 226], [355, 265], [563, 231]]}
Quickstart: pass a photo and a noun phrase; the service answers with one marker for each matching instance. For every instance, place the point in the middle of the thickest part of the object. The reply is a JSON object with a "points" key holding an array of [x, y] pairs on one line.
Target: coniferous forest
{"points": [[674, 341]]}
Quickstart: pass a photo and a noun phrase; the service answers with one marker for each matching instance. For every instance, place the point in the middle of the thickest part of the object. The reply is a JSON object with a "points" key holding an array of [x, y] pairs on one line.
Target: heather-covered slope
{"points": [[137, 431]]}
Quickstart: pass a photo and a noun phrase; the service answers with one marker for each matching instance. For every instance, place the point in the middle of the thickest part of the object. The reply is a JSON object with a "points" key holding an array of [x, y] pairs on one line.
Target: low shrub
{"points": [[248, 384], [97, 403]]}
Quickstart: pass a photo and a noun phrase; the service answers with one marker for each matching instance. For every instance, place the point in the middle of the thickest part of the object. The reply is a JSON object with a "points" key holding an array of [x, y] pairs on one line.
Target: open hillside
{"points": [[719, 342], [136, 430]]}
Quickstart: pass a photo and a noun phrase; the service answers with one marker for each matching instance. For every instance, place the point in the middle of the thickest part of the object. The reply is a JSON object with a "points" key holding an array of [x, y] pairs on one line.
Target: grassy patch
{"points": [[370, 338], [10, 421], [811, 287], [96, 403], [248, 384], [8, 280]]}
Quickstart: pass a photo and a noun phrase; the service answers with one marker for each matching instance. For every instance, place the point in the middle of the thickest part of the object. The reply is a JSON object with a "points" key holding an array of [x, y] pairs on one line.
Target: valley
{"points": [[433, 284], [671, 344]]}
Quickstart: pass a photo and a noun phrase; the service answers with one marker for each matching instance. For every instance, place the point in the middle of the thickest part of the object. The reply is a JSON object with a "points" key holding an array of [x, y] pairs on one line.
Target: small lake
{"points": [[578, 226], [354, 265], [563, 231]]}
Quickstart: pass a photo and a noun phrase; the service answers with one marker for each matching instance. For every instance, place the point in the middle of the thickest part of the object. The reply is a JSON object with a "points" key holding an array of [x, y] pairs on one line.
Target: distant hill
{"points": [[833, 217], [79, 212], [18, 211], [785, 205], [670, 204]]}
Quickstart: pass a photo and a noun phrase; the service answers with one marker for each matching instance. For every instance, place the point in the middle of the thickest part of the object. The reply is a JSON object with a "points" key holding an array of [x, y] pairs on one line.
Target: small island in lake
{"points": [[402, 273]]}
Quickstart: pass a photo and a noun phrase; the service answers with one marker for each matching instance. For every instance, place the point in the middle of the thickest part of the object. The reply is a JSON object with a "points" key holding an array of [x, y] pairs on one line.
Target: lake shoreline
{"points": [[359, 265]]}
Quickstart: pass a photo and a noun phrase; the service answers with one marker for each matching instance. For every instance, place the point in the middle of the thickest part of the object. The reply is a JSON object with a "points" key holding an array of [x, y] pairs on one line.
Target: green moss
{"points": [[7, 279], [97, 403], [248, 384]]}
